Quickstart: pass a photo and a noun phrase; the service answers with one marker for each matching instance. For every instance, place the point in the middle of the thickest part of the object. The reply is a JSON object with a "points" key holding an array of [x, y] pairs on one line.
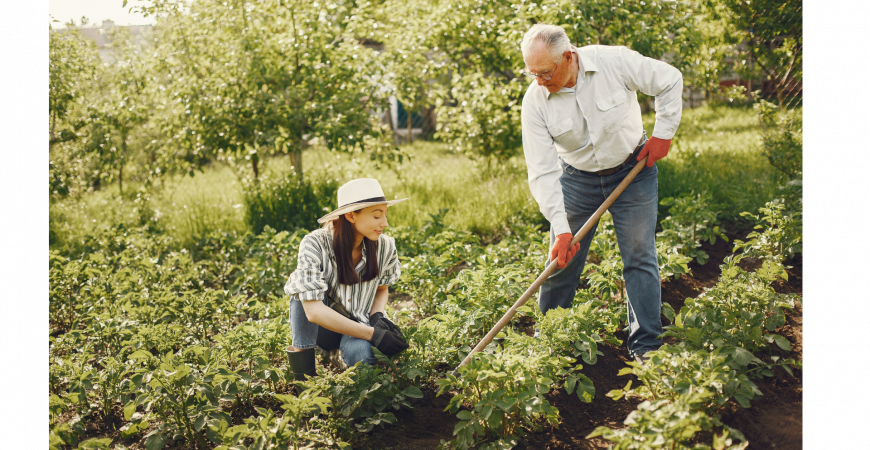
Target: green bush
{"points": [[287, 203]]}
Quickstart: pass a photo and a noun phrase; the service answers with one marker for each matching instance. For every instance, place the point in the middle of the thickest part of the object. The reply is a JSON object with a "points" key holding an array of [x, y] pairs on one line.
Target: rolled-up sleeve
{"points": [[307, 282], [390, 268], [542, 163], [658, 79]]}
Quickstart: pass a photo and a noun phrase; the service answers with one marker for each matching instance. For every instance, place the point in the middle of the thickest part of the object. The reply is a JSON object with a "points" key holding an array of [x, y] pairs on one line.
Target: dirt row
{"points": [[773, 422]]}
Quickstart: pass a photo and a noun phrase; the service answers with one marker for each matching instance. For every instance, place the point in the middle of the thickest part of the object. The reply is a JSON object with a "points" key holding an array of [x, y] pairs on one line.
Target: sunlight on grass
{"points": [[717, 149]]}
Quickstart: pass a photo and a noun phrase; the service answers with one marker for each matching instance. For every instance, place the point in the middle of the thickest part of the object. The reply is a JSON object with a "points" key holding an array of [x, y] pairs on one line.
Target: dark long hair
{"points": [[343, 237]]}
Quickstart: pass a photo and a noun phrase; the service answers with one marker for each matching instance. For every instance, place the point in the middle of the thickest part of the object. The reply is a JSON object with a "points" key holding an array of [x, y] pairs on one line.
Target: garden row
{"points": [[185, 346]]}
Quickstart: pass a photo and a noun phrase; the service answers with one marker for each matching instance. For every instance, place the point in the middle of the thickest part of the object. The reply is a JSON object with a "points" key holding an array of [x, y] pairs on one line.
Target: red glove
{"points": [[561, 250], [656, 148]]}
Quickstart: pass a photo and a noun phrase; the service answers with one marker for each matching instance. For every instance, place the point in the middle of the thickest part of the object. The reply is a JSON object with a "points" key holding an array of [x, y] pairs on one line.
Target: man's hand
{"points": [[377, 320], [561, 250], [656, 148]]}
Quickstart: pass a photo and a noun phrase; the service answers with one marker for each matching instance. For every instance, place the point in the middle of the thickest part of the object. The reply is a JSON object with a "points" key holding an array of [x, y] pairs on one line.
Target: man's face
{"points": [[541, 62]]}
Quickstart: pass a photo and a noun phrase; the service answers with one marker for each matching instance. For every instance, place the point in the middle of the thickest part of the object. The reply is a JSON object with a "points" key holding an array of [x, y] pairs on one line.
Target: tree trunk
{"points": [[52, 139], [296, 161], [409, 125], [254, 160]]}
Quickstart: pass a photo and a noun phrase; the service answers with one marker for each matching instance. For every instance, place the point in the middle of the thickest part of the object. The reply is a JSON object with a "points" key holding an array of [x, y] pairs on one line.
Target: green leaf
{"points": [[668, 311], [413, 392], [465, 415], [625, 371], [569, 384], [742, 399], [96, 444], [140, 355], [155, 442], [742, 356], [129, 410], [782, 342]]}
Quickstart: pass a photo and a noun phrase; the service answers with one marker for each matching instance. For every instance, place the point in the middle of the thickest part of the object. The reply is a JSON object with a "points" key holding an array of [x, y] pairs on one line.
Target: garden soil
{"points": [[774, 421]]}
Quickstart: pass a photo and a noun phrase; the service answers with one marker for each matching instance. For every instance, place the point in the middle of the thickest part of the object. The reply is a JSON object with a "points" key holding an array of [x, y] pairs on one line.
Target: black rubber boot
{"points": [[302, 363]]}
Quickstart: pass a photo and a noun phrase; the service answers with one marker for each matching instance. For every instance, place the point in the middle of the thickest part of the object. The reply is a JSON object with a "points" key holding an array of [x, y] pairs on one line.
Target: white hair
{"points": [[554, 38]]}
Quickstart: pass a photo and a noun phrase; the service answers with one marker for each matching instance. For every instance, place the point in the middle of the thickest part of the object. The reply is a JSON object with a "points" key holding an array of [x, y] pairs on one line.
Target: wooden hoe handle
{"points": [[552, 266]]}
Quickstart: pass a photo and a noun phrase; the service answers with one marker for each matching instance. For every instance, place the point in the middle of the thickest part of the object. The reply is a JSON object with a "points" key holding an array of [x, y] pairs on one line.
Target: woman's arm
{"points": [[380, 300], [317, 312]]}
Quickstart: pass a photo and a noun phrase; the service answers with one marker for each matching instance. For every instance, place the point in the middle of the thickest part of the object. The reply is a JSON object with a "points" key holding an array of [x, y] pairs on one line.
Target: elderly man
{"points": [[582, 134]]}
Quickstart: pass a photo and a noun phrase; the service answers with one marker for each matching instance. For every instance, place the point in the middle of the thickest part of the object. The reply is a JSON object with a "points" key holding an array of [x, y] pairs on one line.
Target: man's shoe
{"points": [[301, 363]]}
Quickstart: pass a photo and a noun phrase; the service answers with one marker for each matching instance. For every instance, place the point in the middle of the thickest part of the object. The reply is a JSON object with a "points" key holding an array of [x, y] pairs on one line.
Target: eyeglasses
{"points": [[545, 76]]}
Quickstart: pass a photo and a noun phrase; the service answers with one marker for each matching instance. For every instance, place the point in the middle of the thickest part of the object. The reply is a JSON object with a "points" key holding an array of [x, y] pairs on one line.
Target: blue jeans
{"points": [[634, 218], [307, 335]]}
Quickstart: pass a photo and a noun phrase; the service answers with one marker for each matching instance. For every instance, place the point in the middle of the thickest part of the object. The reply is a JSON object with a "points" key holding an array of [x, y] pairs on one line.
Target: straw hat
{"points": [[358, 194]]}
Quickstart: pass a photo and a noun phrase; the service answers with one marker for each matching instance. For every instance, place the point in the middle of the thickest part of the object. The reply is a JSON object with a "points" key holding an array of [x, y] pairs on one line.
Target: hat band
{"points": [[368, 200]]}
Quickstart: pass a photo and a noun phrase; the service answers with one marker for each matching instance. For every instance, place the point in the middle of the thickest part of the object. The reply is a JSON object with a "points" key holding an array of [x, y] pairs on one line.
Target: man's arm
{"points": [[543, 169], [658, 79]]}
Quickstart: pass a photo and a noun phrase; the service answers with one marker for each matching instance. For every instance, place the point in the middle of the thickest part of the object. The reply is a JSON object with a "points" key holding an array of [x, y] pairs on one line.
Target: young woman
{"points": [[339, 288]]}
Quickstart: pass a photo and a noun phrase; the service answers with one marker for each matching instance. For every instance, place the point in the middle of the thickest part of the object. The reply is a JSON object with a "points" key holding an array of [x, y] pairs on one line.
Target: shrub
{"points": [[287, 203]]}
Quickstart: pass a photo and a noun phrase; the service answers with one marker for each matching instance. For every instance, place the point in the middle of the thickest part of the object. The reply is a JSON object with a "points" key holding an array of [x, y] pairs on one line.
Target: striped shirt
{"points": [[316, 274]]}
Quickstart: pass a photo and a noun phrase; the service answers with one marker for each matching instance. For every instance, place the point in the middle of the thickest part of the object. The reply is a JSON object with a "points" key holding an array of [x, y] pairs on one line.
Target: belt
{"points": [[628, 161]]}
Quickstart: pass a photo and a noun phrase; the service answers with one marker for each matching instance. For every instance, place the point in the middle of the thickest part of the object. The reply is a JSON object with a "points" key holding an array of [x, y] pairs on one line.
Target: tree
{"points": [[772, 32], [249, 79], [474, 59], [72, 65]]}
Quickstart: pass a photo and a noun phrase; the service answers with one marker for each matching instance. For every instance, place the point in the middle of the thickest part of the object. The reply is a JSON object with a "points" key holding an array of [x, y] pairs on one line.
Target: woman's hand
{"points": [[378, 320], [387, 342]]}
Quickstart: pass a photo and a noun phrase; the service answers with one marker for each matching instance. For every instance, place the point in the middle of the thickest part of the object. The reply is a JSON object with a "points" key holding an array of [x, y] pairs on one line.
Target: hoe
{"points": [[552, 267]]}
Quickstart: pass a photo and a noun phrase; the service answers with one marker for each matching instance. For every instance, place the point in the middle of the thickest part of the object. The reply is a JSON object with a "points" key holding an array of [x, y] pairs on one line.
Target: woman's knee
{"points": [[355, 350]]}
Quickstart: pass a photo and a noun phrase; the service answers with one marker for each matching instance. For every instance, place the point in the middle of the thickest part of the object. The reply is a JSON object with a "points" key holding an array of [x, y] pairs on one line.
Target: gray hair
{"points": [[554, 38]]}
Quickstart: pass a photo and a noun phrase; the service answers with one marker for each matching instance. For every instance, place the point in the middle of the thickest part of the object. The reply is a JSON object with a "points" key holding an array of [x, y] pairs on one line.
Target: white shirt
{"points": [[316, 274], [596, 124]]}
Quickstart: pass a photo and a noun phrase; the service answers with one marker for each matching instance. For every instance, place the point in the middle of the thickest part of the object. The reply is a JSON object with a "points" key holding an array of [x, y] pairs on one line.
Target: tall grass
{"points": [[185, 208], [479, 198]]}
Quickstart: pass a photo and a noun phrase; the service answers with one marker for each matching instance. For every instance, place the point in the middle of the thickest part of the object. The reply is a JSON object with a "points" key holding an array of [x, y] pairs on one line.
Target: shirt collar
{"points": [[585, 65]]}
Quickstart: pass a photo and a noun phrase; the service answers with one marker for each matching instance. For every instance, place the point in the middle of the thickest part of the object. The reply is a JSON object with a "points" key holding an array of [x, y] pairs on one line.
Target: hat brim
{"points": [[354, 207]]}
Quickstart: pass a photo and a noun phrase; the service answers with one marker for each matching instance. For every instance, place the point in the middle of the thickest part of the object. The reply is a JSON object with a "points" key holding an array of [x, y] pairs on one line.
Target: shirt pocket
{"points": [[613, 108], [565, 134]]}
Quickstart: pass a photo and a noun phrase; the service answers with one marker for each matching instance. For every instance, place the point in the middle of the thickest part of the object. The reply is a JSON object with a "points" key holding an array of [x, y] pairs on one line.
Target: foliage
{"points": [[669, 424], [504, 391], [780, 239], [692, 220], [739, 311], [473, 57], [287, 203], [675, 371], [248, 80], [772, 31]]}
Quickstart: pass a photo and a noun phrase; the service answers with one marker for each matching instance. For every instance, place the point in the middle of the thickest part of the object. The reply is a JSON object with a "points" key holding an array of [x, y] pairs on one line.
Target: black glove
{"points": [[378, 320], [387, 342]]}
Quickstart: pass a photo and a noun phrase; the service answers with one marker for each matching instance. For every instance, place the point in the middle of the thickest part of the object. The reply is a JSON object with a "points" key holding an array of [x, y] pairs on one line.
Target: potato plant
{"points": [[713, 361], [692, 220], [503, 391], [672, 425], [170, 336]]}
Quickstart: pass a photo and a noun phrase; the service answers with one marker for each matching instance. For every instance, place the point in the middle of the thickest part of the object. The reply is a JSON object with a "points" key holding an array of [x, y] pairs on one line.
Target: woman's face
{"points": [[369, 222]]}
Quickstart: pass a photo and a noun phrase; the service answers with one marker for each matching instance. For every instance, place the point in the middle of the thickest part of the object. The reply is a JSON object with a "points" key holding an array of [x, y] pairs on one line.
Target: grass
{"points": [[717, 149], [185, 208]]}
